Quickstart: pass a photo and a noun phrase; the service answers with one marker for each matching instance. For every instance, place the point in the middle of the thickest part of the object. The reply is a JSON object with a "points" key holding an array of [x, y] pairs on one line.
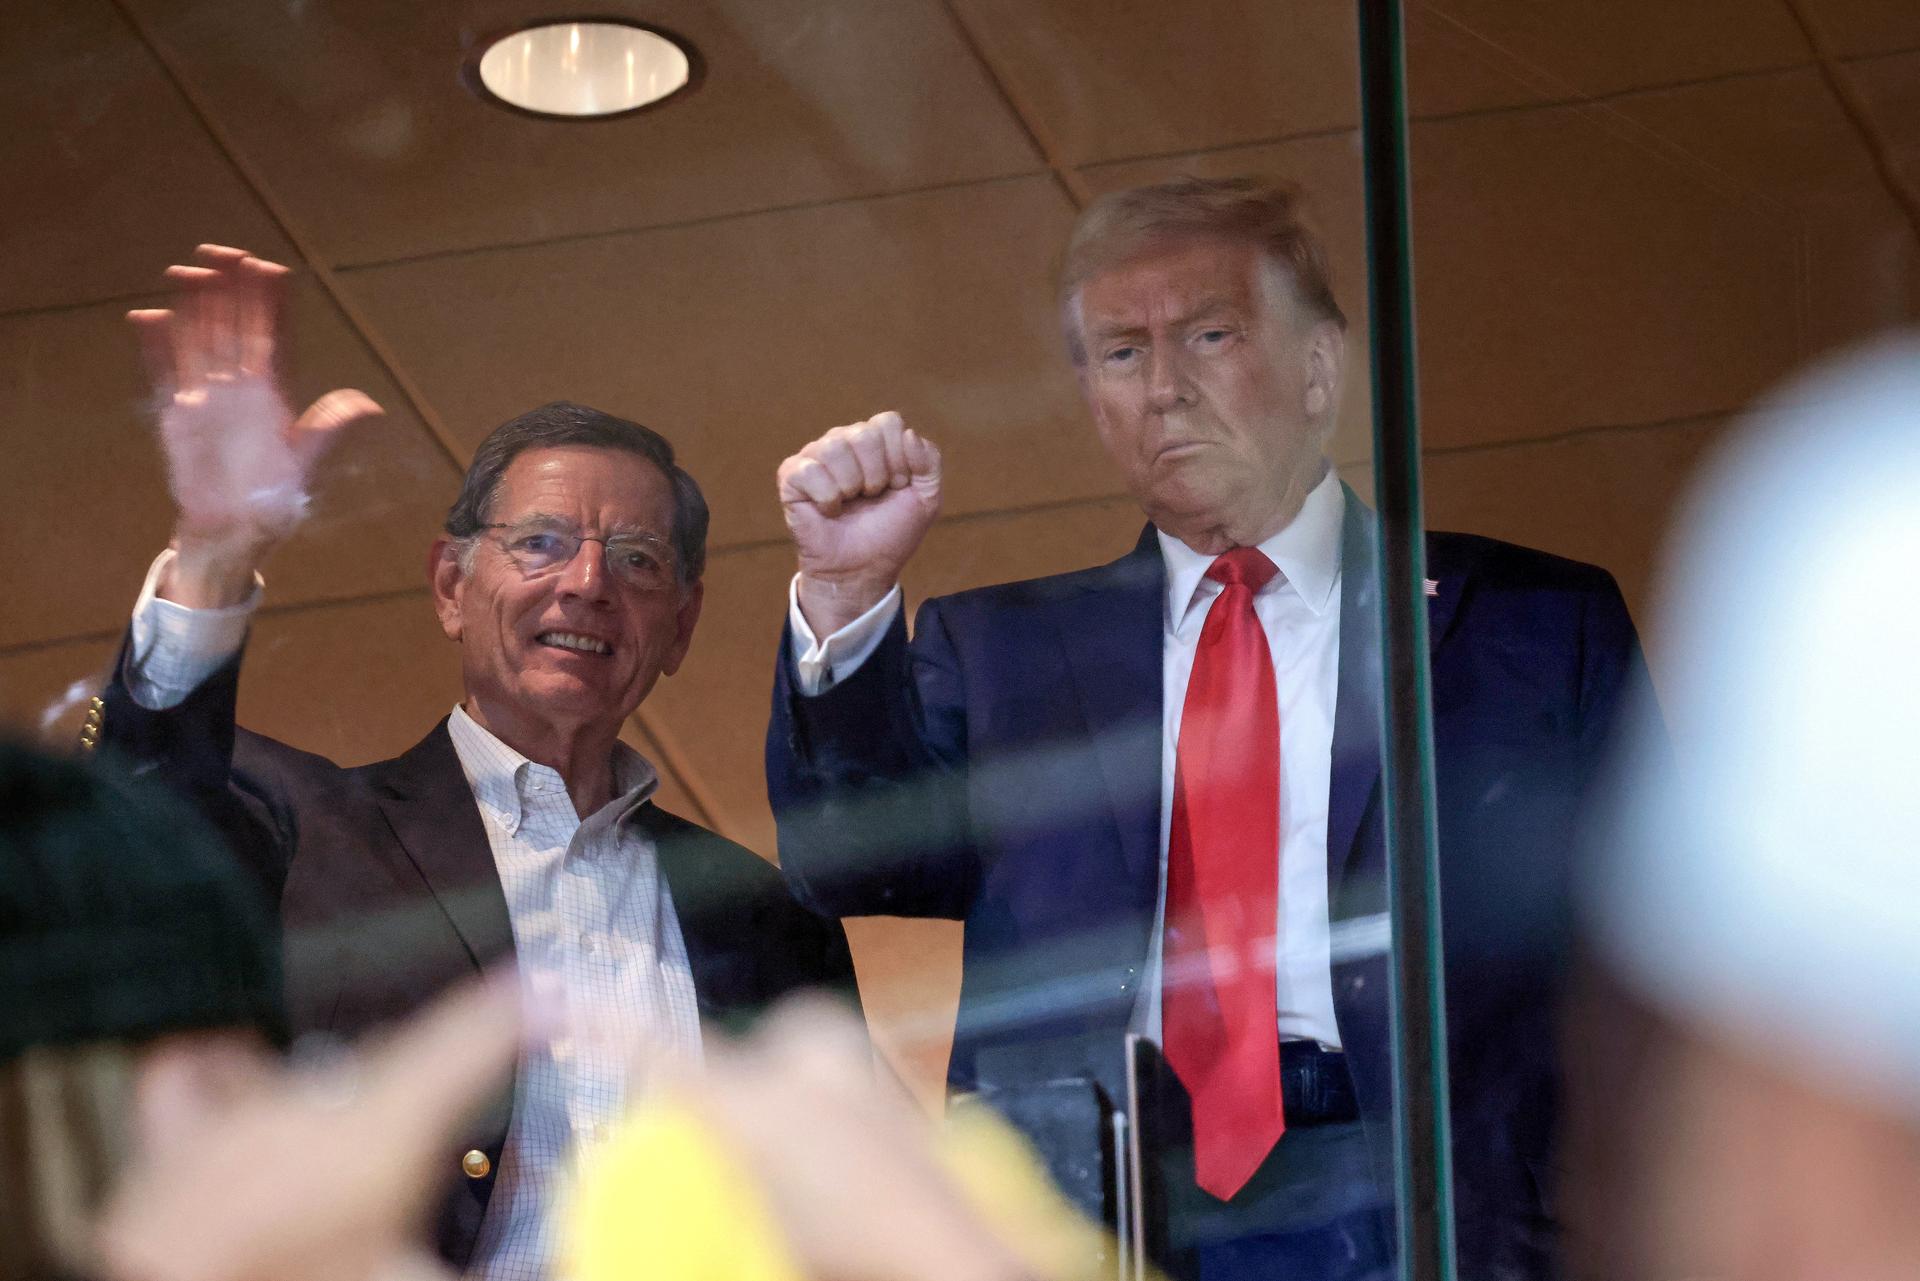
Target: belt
{"points": [[1315, 1085]]}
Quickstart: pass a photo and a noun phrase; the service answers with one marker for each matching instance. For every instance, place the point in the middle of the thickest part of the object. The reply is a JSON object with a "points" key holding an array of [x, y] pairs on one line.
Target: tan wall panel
{"points": [[44, 690], [1607, 498], [1576, 270], [353, 113], [742, 340], [1471, 55], [107, 171], [1327, 170], [82, 456], [910, 987], [1109, 82]]}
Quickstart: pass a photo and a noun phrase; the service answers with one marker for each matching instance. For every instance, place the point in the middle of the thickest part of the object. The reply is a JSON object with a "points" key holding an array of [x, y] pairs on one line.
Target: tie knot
{"points": [[1242, 565]]}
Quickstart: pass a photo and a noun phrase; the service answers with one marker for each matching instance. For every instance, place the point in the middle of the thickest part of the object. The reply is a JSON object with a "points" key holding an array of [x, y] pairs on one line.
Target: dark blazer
{"points": [[1003, 769], [388, 891]]}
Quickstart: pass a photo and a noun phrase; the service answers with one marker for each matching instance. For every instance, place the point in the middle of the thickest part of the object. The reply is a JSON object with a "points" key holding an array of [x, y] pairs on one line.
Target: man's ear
{"points": [[448, 582], [684, 620], [1326, 357]]}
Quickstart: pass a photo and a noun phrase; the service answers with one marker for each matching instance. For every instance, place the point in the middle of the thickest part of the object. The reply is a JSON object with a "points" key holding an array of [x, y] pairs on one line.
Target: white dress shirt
{"points": [[1300, 612], [598, 944]]}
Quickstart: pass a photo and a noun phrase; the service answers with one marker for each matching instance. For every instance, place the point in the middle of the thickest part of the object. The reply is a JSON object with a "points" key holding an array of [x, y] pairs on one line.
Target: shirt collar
{"points": [[501, 778], [1306, 551]]}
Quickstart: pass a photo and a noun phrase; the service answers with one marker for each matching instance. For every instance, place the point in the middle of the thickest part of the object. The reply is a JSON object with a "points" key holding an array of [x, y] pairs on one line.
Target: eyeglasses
{"points": [[639, 561]]}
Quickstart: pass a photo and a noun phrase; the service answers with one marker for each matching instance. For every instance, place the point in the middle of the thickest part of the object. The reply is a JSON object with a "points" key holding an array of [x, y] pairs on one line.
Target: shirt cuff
{"points": [[175, 648], [821, 664]]}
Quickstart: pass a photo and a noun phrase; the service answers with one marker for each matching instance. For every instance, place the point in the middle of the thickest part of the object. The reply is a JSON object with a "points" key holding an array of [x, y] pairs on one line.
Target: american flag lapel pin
{"points": [[1432, 586]]}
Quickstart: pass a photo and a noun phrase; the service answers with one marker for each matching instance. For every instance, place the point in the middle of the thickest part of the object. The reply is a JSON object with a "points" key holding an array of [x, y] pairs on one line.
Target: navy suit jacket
{"points": [[1003, 768], [388, 893]]}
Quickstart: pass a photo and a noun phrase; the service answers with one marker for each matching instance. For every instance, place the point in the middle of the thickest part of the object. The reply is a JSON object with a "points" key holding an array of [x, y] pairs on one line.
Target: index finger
{"points": [[923, 456]]}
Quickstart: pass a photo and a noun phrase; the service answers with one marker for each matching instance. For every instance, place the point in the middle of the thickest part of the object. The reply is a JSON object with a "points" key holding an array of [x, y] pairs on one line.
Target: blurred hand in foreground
{"points": [[270, 1174]]}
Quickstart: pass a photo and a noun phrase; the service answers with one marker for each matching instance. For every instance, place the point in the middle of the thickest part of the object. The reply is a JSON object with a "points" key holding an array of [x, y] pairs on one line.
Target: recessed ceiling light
{"points": [[585, 69]]}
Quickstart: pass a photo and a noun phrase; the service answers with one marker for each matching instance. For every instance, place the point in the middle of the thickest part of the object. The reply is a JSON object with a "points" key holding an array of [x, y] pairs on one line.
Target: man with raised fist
{"points": [[1151, 788], [569, 577]]}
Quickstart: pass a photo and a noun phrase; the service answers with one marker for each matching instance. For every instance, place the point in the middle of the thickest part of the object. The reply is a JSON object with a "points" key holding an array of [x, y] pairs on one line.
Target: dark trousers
{"points": [[1316, 1210]]}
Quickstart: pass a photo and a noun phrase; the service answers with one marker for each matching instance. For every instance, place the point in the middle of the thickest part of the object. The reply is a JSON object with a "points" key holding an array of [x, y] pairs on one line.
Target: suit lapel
{"points": [[1358, 722], [427, 802], [1110, 630], [1356, 715]]}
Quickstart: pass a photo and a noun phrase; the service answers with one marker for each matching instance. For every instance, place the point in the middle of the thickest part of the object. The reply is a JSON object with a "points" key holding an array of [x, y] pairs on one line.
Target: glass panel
{"points": [[1631, 223], [1111, 843]]}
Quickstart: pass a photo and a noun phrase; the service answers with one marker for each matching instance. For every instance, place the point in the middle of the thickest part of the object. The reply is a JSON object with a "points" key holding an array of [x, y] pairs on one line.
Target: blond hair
{"points": [[1121, 225]]}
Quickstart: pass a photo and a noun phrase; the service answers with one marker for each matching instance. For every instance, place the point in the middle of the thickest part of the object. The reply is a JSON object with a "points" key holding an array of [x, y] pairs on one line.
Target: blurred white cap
{"points": [[1764, 878]]}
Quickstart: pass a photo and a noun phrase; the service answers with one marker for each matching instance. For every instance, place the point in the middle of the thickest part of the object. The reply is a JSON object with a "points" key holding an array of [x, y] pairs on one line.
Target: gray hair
{"points": [[563, 424]]}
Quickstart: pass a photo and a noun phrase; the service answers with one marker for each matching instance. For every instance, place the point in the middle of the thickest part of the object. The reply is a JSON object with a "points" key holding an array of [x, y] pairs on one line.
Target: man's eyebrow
{"points": [[1199, 309]]}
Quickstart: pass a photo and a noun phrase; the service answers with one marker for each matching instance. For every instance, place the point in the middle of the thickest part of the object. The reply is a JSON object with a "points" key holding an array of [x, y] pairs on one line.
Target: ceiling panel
{"points": [[1577, 268], [82, 456], [1857, 28], [107, 172], [1327, 171], [1891, 88], [353, 113], [1471, 55], [744, 339], [716, 707], [1118, 79]]}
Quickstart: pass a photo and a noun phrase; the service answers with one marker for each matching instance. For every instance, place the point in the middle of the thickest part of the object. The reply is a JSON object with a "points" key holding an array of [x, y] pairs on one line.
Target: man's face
{"points": [[1210, 387], [574, 647]]}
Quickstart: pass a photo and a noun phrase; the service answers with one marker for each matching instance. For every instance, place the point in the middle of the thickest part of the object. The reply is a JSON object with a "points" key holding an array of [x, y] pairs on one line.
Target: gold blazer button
{"points": [[476, 1165]]}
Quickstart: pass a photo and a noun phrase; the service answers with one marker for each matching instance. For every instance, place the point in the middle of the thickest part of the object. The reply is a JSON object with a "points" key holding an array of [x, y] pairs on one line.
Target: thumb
{"points": [[314, 431]]}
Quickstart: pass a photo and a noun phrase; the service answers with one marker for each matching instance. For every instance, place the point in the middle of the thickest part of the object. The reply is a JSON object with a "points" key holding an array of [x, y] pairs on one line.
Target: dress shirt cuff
{"points": [[821, 664], [174, 648]]}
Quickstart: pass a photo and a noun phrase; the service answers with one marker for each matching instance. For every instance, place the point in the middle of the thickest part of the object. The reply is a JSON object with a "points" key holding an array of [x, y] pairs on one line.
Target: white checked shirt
{"points": [[597, 941], [1300, 612]]}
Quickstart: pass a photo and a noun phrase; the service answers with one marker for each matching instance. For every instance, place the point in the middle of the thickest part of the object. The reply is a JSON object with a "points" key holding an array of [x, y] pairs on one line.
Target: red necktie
{"points": [[1217, 1008]]}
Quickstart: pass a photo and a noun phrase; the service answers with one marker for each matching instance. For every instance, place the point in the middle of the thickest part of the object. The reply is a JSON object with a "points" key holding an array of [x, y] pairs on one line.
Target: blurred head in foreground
{"points": [[1759, 898], [136, 961]]}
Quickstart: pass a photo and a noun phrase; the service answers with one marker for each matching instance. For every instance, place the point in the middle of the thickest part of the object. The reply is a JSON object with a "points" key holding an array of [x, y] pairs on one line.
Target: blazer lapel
{"points": [[1358, 722], [1356, 715], [427, 802], [1111, 632]]}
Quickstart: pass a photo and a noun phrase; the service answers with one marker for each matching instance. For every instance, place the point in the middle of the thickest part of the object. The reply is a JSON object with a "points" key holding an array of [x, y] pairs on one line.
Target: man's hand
{"points": [[297, 1175], [857, 501], [238, 459]]}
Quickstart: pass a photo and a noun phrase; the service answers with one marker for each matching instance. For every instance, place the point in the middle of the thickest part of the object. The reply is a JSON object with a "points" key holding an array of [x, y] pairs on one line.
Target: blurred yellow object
{"points": [[667, 1198]]}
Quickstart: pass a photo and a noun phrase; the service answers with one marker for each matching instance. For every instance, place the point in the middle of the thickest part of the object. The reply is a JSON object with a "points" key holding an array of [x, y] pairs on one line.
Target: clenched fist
{"points": [[857, 501]]}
